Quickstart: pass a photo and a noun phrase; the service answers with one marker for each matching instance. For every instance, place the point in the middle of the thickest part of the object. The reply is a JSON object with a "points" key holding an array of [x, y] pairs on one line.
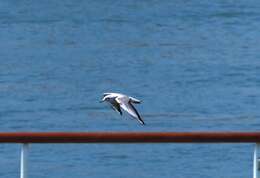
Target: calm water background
{"points": [[195, 65]]}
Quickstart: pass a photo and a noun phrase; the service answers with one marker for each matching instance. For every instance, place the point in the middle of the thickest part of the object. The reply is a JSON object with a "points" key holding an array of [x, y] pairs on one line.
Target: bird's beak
{"points": [[101, 101]]}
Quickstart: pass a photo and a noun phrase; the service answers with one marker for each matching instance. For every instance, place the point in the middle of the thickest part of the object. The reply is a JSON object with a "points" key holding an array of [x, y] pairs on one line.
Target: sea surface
{"points": [[194, 64]]}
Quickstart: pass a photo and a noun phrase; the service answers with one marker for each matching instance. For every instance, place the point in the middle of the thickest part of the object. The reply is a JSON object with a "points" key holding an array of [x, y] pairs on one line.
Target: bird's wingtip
{"points": [[141, 122]]}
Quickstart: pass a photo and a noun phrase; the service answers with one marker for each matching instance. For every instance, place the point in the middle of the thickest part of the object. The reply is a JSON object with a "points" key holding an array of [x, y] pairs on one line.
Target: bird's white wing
{"points": [[105, 94], [113, 94], [123, 101], [128, 107]]}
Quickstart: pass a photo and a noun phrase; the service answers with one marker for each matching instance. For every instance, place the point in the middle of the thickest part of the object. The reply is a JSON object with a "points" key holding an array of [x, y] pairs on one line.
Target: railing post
{"points": [[24, 161], [256, 163]]}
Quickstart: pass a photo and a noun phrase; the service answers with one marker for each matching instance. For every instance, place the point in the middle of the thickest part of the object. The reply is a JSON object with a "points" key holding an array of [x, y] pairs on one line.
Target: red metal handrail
{"points": [[130, 137]]}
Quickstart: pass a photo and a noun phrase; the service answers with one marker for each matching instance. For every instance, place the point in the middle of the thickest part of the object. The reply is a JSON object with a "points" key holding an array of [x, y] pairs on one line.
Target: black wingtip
{"points": [[141, 121], [138, 115]]}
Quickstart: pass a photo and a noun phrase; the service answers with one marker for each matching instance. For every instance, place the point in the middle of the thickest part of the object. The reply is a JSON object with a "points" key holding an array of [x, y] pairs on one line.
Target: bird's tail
{"points": [[134, 100]]}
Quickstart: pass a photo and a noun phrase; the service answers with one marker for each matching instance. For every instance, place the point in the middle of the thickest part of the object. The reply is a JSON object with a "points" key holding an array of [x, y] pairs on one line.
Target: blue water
{"points": [[194, 64]]}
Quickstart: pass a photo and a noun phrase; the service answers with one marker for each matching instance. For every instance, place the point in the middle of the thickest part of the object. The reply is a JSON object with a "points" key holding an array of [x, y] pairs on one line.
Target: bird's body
{"points": [[118, 101]]}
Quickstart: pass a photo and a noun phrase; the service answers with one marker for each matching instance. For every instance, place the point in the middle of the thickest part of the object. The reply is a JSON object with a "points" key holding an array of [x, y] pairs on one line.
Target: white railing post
{"points": [[256, 163], [24, 161]]}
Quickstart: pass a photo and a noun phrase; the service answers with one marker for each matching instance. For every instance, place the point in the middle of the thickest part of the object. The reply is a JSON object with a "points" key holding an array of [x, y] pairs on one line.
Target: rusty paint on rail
{"points": [[129, 137]]}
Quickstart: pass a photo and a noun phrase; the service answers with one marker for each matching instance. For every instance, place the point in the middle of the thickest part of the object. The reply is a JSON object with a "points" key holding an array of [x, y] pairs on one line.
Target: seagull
{"points": [[118, 101]]}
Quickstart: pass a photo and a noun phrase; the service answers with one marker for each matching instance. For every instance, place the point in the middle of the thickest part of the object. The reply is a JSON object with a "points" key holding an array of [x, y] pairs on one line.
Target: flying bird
{"points": [[118, 101]]}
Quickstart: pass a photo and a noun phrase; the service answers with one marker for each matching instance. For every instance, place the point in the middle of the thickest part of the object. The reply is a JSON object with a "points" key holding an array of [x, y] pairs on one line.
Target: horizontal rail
{"points": [[130, 137]]}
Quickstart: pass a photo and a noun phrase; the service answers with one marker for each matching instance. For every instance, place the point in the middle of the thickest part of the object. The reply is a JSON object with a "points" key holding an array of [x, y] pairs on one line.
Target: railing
{"points": [[27, 138]]}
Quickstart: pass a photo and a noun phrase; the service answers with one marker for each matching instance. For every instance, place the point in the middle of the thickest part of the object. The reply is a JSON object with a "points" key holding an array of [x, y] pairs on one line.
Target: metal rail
{"points": [[130, 137], [27, 138]]}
